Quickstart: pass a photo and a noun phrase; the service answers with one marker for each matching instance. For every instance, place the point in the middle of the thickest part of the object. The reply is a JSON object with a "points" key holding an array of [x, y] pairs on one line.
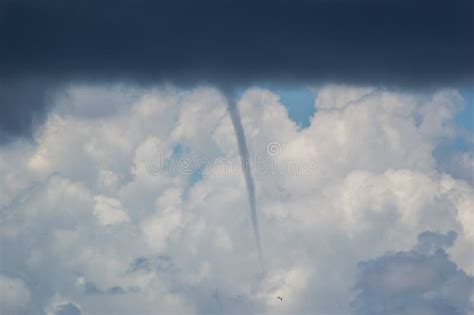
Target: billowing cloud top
{"points": [[422, 281], [93, 223]]}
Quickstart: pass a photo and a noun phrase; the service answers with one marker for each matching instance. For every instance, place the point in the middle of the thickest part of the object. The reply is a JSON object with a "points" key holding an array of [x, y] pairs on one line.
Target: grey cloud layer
{"points": [[358, 41], [408, 43]]}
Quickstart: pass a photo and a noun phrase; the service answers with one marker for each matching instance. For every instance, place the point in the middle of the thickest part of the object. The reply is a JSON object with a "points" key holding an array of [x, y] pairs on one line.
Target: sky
{"points": [[209, 157]]}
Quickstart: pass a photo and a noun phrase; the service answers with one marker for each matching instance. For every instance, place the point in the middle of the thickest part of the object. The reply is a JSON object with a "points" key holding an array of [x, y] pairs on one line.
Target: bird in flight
{"points": [[280, 298]]}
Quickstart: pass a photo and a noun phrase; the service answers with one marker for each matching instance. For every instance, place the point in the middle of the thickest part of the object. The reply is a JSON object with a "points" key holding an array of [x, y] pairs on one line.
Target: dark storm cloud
{"points": [[235, 42], [240, 40], [22, 105]]}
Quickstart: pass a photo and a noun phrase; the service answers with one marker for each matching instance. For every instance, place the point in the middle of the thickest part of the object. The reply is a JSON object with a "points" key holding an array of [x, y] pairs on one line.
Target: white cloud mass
{"points": [[86, 228]]}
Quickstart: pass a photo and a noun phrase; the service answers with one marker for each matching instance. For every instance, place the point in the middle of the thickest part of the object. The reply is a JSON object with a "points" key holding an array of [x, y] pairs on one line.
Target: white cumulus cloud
{"points": [[94, 226]]}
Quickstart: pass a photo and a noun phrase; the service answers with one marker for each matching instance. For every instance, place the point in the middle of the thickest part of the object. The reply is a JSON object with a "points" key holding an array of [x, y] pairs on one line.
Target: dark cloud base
{"points": [[227, 42], [23, 105]]}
